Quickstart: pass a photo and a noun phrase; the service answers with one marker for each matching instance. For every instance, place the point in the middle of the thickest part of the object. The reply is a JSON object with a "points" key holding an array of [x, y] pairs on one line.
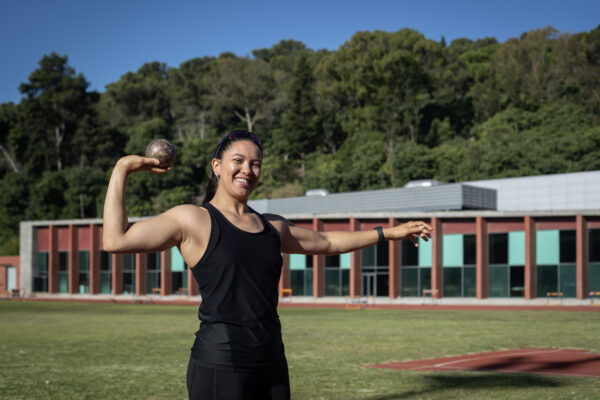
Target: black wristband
{"points": [[380, 233]]}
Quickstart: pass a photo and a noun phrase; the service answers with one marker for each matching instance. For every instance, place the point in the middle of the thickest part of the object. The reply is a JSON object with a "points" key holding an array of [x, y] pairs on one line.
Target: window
{"points": [[128, 273], [63, 272], [301, 275], [152, 271], [40, 277], [84, 271], [105, 272], [594, 260], [506, 256], [414, 277], [555, 255], [375, 276], [459, 265], [337, 275]]}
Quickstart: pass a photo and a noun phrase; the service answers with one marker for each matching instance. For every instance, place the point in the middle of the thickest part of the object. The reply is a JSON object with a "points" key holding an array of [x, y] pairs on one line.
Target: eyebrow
{"points": [[243, 156]]}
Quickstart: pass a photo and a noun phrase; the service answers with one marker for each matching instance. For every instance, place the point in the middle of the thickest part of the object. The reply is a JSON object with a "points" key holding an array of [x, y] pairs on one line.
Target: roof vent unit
{"points": [[423, 183], [317, 192]]}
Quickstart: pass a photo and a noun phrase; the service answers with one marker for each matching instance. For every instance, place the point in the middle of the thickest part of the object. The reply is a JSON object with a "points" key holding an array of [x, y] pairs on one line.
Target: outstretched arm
{"points": [[155, 234], [306, 241]]}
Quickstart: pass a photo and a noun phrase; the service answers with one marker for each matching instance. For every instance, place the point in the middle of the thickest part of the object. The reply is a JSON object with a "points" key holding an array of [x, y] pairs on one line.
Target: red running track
{"points": [[528, 360]]}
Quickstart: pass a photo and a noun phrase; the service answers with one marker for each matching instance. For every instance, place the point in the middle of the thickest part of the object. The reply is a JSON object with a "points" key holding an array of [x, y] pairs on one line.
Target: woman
{"points": [[236, 258]]}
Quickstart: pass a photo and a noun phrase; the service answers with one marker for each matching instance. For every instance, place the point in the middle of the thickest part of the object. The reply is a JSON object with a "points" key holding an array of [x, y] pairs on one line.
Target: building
{"points": [[479, 250]]}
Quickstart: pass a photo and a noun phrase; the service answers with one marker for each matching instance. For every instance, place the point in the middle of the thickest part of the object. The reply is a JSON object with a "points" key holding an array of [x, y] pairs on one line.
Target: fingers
{"points": [[418, 229]]}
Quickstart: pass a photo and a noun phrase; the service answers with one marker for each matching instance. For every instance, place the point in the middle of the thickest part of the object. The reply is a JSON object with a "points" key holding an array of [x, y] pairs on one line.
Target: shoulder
{"points": [[279, 222], [187, 213]]}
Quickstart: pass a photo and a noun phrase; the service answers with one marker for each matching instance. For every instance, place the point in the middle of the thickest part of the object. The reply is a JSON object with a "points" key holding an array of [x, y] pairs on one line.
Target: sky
{"points": [[106, 39]]}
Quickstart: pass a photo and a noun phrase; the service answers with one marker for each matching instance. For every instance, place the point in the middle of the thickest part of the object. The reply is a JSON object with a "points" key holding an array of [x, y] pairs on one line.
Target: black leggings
{"points": [[267, 383]]}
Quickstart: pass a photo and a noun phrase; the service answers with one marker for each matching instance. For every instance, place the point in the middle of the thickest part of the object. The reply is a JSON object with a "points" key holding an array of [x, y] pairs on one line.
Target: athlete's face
{"points": [[239, 168]]}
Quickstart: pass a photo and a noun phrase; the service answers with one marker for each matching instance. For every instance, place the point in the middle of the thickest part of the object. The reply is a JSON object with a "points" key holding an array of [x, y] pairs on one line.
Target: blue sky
{"points": [[105, 39]]}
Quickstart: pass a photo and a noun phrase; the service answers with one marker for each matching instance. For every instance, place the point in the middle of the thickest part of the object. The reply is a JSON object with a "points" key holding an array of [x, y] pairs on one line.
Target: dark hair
{"points": [[224, 143]]}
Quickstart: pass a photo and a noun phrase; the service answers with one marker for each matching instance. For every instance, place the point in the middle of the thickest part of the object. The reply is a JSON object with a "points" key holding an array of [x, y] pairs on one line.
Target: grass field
{"points": [[113, 351]]}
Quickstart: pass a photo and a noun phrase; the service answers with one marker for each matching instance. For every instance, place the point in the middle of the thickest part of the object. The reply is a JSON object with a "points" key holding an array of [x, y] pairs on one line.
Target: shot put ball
{"points": [[163, 150]]}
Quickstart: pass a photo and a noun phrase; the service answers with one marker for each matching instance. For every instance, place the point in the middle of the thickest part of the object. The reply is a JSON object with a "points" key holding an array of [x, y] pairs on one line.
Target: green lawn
{"points": [[115, 351]]}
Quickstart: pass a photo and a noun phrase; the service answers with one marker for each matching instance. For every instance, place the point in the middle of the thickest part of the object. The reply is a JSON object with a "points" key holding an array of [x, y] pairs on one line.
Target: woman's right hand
{"points": [[135, 163]]}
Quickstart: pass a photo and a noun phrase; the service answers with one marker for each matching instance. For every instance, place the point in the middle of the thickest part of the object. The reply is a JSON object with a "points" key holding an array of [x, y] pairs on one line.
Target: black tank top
{"points": [[238, 276]]}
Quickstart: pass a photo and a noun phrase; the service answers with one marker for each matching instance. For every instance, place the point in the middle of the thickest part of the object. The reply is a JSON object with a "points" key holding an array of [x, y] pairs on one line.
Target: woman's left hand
{"points": [[412, 230]]}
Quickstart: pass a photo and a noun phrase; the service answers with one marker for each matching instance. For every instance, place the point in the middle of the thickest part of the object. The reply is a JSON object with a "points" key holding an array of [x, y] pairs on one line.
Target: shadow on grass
{"points": [[433, 384]]}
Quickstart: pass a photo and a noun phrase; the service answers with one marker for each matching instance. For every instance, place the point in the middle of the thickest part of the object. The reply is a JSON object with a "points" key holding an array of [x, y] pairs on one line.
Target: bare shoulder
{"points": [[279, 222], [189, 213]]}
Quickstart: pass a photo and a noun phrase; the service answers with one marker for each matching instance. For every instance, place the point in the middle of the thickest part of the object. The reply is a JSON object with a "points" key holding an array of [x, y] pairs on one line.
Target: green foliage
{"points": [[383, 109]]}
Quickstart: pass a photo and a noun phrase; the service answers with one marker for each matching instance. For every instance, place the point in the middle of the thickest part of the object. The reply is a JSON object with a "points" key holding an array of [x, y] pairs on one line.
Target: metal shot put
{"points": [[163, 151]]}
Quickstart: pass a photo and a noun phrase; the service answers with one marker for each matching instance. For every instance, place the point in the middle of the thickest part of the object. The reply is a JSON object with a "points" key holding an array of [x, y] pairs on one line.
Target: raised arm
{"points": [[155, 234], [306, 241]]}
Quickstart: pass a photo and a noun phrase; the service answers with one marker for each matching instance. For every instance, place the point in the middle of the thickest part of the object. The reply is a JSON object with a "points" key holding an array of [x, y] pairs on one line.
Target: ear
{"points": [[216, 166]]}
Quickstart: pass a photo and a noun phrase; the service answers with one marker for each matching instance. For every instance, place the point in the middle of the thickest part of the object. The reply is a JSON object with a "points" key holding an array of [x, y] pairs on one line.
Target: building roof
{"points": [[455, 196]]}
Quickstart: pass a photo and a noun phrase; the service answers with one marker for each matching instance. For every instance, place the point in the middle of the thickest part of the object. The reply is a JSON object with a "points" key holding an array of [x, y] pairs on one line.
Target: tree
{"points": [[243, 88], [59, 98]]}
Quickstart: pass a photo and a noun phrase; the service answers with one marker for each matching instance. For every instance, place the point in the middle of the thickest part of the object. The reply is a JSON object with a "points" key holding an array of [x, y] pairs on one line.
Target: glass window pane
{"points": [[452, 250], [63, 282], [452, 282], [547, 247], [105, 282], [332, 261], [63, 261], [567, 246], [368, 256], [594, 277], [345, 282], [309, 261], [297, 261], [567, 280], [42, 263], [425, 279], [498, 281], [297, 282], [105, 261], [547, 280], [516, 248], [83, 261], [594, 245], [424, 249], [469, 282], [332, 282], [517, 281], [410, 281], [129, 262], [382, 254], [84, 286], [345, 261], [383, 284], [308, 282], [469, 250], [410, 253], [177, 263], [498, 248]]}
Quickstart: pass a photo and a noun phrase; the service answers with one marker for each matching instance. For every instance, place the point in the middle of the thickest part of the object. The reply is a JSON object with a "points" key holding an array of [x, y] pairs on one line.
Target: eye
{"points": [[257, 165], [237, 160]]}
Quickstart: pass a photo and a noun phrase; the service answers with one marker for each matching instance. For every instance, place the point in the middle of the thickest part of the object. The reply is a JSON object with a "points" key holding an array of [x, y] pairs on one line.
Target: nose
{"points": [[246, 168]]}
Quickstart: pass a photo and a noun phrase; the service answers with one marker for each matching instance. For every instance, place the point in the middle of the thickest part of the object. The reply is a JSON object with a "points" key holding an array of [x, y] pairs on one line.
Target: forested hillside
{"points": [[382, 109]]}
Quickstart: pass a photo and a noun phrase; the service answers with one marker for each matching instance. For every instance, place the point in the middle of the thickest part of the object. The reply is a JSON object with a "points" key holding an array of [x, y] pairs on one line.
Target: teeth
{"points": [[242, 180]]}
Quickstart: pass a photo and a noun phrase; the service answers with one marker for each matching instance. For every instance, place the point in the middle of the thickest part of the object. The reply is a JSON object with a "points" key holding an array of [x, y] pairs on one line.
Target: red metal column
{"points": [[530, 262], [481, 257], [582, 257], [117, 273], [355, 263], [394, 261], [140, 274], [94, 259], [436, 258], [53, 259], [73, 260], [165, 273], [318, 266], [284, 278]]}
